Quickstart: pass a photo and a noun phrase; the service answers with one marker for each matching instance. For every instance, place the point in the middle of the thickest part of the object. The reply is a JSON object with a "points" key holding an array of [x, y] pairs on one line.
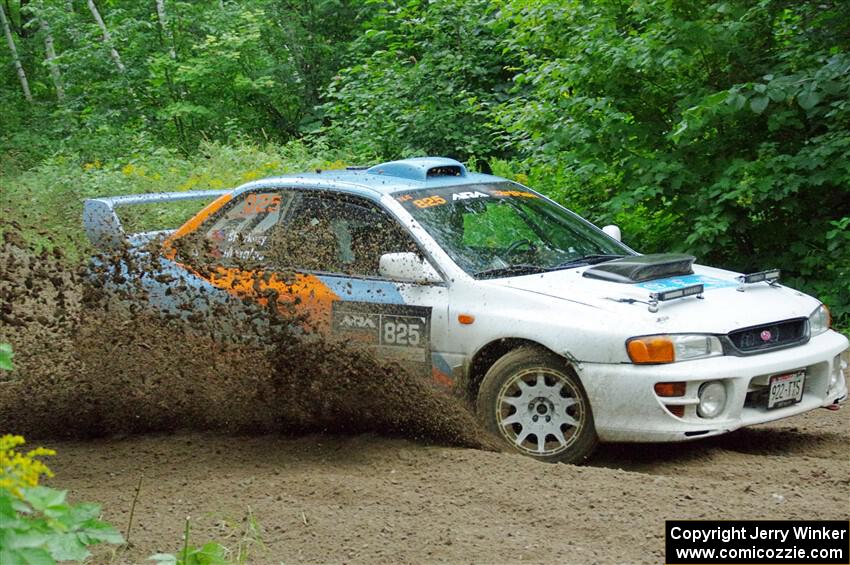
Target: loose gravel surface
{"points": [[368, 499]]}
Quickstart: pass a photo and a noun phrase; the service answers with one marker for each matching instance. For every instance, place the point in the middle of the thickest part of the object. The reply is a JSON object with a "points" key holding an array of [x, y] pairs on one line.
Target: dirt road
{"points": [[366, 499]]}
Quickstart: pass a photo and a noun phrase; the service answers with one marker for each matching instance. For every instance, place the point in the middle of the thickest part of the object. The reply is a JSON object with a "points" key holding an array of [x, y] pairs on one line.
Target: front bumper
{"points": [[626, 408]]}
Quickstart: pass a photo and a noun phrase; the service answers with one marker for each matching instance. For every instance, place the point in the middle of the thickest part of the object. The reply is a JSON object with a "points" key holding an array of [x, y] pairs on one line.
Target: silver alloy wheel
{"points": [[540, 411]]}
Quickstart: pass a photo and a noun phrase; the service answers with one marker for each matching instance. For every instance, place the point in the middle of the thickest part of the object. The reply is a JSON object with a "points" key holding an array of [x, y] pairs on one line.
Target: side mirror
{"points": [[614, 232], [408, 267]]}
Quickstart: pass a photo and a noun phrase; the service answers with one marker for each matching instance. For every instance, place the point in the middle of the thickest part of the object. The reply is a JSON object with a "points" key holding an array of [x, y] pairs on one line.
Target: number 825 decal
{"points": [[404, 331]]}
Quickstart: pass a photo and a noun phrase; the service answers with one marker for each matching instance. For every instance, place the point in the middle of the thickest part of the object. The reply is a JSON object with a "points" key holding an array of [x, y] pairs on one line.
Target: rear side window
{"points": [[241, 234]]}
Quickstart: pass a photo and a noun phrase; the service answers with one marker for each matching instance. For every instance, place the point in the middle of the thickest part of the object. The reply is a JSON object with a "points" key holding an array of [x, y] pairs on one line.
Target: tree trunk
{"points": [[22, 76], [163, 23], [107, 39], [51, 59]]}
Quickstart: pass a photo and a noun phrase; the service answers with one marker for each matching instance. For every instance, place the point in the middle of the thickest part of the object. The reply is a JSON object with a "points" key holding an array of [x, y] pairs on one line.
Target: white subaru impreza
{"points": [[560, 334]]}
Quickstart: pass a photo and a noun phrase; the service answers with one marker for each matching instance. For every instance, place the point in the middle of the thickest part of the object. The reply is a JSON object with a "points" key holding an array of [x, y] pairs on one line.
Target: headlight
{"points": [[712, 399], [669, 348], [819, 321]]}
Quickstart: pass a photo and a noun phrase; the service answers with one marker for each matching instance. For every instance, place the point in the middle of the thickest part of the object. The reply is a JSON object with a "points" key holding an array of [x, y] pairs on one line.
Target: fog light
{"points": [[712, 399]]}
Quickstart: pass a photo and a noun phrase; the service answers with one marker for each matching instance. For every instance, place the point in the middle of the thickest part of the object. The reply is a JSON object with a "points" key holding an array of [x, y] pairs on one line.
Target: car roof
{"points": [[386, 178]]}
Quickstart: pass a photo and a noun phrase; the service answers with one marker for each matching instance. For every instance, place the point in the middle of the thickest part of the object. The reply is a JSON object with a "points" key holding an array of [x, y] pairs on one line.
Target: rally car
{"points": [[559, 334]]}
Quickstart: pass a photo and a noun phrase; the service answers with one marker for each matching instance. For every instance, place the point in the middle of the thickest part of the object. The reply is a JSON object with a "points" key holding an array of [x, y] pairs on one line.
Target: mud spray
{"points": [[94, 363]]}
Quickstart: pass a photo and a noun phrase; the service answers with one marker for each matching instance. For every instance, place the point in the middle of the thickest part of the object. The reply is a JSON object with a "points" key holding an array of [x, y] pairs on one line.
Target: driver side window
{"points": [[335, 233]]}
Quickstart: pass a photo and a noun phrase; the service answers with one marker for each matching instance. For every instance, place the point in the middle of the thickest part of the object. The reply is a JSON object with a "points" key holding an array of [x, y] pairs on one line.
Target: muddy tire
{"points": [[534, 403]]}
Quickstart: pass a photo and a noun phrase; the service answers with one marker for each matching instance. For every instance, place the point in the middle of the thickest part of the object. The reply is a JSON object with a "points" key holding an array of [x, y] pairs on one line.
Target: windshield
{"points": [[502, 229]]}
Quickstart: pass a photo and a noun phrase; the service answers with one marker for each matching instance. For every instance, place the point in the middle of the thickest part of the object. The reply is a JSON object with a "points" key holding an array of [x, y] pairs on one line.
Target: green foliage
{"points": [[37, 524], [6, 357], [214, 72], [210, 554], [43, 528], [425, 78], [719, 129], [213, 553]]}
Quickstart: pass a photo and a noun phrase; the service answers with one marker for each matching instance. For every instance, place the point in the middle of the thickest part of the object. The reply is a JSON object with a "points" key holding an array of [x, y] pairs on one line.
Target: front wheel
{"points": [[536, 404]]}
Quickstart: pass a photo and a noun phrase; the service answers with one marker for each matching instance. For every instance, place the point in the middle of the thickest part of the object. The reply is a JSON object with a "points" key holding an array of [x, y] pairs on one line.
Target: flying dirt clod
{"points": [[92, 361]]}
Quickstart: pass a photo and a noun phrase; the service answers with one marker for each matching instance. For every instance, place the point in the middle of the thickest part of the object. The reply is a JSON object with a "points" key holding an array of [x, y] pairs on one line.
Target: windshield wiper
{"points": [[591, 259], [520, 269]]}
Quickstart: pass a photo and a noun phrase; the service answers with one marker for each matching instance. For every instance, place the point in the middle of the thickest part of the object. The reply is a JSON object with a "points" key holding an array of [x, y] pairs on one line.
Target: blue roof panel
{"points": [[386, 178]]}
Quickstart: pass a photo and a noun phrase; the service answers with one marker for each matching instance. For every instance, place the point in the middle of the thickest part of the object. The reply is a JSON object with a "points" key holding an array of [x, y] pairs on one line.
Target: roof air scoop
{"points": [[445, 171], [420, 168], [641, 268]]}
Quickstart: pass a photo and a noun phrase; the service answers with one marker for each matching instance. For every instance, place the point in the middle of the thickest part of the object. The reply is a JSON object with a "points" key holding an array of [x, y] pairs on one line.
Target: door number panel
{"points": [[394, 332]]}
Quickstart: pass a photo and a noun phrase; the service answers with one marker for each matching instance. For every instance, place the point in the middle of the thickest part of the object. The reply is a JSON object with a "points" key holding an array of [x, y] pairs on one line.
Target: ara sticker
{"points": [[393, 332], [469, 194]]}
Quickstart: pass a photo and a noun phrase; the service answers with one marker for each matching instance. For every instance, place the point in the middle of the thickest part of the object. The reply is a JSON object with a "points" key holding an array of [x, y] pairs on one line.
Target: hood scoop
{"points": [[641, 268]]}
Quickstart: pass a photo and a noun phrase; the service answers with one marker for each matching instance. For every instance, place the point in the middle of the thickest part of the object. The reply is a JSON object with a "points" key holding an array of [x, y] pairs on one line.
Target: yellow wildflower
{"points": [[250, 175], [190, 183], [334, 165], [19, 470], [96, 164]]}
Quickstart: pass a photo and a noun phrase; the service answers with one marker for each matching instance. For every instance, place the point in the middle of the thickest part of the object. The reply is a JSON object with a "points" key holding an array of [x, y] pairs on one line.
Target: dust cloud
{"points": [[92, 359]]}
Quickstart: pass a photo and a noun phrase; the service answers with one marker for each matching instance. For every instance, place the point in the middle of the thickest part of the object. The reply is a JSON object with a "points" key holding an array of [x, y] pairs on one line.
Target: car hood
{"points": [[722, 308]]}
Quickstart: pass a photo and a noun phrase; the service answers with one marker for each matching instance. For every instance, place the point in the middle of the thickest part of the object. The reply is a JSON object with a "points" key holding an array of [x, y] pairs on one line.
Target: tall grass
{"points": [[48, 199]]}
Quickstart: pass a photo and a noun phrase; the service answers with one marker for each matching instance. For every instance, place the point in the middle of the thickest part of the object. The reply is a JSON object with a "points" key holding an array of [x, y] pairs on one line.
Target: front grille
{"points": [[769, 336]]}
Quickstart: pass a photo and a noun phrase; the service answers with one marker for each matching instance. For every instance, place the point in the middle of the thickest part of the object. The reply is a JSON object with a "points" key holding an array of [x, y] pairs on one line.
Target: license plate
{"points": [[786, 389]]}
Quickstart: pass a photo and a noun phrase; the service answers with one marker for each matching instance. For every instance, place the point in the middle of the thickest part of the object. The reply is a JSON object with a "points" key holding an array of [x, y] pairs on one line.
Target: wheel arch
{"points": [[491, 352]]}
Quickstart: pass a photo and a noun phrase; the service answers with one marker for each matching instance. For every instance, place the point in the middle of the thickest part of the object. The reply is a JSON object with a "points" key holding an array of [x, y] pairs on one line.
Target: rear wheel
{"points": [[535, 403]]}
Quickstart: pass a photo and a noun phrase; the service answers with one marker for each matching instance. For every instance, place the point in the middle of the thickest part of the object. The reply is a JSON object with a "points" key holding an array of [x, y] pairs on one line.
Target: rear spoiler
{"points": [[103, 227]]}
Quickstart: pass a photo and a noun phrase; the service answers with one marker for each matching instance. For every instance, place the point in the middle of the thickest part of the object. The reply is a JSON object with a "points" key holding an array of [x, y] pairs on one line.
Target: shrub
{"points": [[37, 524]]}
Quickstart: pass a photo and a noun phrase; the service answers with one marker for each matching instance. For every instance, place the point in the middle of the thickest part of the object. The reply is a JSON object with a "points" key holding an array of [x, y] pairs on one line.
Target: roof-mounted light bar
{"points": [[684, 292], [770, 277]]}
